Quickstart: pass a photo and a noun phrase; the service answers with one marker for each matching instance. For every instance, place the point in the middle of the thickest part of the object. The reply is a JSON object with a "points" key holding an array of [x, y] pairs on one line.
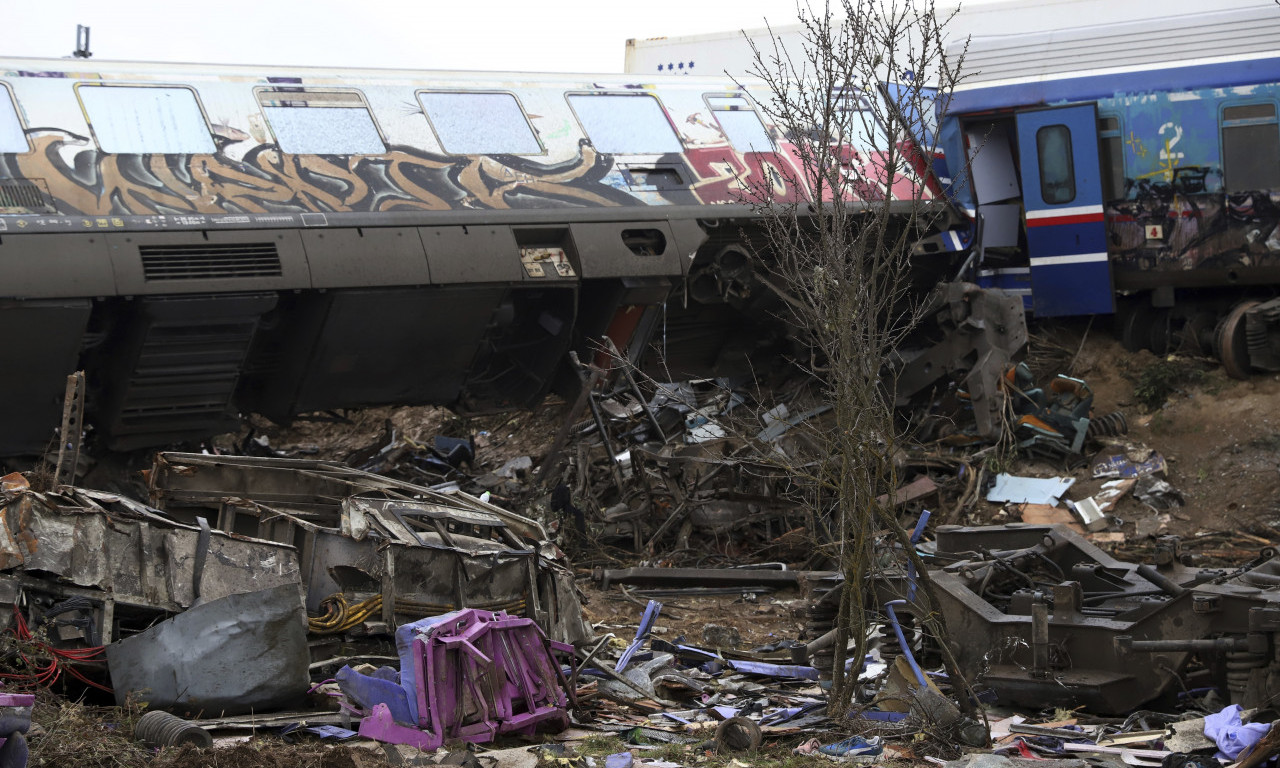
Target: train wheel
{"points": [[1161, 331], [1135, 327], [1231, 343], [1198, 333]]}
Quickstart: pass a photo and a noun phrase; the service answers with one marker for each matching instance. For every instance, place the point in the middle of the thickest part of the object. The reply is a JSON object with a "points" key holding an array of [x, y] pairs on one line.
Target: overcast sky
{"points": [[550, 35]]}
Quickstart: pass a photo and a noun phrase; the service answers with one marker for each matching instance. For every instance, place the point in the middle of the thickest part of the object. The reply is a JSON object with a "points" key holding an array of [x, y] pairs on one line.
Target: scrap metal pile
{"points": [[370, 605], [278, 569]]}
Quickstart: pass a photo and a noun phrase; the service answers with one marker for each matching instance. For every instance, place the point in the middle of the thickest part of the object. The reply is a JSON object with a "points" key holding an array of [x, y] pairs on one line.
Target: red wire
{"points": [[49, 675]]}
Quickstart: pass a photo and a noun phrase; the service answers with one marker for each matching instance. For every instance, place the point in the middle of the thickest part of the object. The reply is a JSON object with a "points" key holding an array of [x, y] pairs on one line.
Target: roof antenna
{"points": [[82, 42]]}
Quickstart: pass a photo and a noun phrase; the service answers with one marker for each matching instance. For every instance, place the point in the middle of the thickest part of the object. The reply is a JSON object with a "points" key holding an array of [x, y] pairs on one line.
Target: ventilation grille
{"points": [[22, 194], [209, 261]]}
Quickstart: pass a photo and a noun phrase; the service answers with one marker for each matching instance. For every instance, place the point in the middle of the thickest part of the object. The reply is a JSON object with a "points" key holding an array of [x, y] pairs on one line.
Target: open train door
{"points": [[1062, 195]]}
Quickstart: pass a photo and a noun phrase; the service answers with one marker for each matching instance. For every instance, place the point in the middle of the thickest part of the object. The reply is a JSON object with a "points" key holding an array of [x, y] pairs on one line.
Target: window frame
{"points": [[542, 148], [97, 141], [751, 107], [1071, 164], [675, 132], [1246, 122], [303, 91], [838, 100], [17, 113], [1103, 136]]}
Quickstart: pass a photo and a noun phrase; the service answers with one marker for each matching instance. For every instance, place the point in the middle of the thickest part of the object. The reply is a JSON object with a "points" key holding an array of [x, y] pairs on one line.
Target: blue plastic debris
{"points": [[774, 670], [787, 714], [330, 732], [619, 760], [880, 716], [646, 624], [911, 565], [906, 649]]}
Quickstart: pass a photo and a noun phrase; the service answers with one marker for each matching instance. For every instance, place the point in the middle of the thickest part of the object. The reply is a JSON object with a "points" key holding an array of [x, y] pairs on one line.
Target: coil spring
{"points": [[1239, 666], [890, 648], [1113, 424], [819, 619]]}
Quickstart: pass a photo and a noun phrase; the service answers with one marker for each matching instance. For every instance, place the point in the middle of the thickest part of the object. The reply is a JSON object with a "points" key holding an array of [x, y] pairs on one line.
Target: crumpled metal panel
{"points": [[242, 653], [139, 557], [423, 550], [420, 574]]}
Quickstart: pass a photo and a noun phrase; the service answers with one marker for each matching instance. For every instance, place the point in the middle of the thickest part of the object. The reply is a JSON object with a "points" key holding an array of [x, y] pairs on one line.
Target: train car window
{"points": [[141, 119], [1112, 155], [741, 124], [850, 100], [479, 123], [1250, 147], [1057, 169], [855, 119], [321, 122], [630, 124], [12, 137]]}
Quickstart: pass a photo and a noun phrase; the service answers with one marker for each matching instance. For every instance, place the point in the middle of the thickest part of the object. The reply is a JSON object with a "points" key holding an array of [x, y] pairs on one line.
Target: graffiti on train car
{"points": [[269, 181], [1178, 209]]}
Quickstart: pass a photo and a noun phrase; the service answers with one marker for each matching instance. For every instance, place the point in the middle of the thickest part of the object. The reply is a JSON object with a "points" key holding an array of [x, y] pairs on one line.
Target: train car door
{"points": [[1062, 195]]}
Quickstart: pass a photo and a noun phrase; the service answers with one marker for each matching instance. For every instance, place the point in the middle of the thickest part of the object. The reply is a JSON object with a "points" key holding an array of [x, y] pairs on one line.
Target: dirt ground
{"points": [[762, 621], [1220, 436], [339, 437]]}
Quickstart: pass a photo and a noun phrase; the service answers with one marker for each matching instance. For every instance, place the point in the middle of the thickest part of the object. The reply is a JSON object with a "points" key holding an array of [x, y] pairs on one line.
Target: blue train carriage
{"points": [[207, 240], [1131, 169]]}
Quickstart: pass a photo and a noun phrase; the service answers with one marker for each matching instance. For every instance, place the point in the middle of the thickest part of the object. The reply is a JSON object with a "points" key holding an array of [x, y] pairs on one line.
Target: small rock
{"points": [[718, 636], [516, 468]]}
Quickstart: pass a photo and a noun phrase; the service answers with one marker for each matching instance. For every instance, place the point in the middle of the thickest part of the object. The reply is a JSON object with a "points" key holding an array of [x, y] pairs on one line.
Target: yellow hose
{"points": [[339, 616]]}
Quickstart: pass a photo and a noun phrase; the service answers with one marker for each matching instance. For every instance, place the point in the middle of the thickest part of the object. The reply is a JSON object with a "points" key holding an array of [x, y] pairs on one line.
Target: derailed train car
{"points": [[1133, 169], [207, 240]]}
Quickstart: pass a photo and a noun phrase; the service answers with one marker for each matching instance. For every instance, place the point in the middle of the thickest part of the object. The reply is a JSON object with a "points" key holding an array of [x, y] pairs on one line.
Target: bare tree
{"points": [[855, 105]]}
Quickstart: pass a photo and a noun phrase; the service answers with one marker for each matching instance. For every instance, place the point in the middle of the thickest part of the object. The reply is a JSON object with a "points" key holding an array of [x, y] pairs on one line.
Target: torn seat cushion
{"points": [[367, 691]]}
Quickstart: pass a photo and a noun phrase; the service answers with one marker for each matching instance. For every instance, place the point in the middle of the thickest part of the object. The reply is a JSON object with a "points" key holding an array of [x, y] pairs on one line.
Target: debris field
{"points": [[638, 578]]}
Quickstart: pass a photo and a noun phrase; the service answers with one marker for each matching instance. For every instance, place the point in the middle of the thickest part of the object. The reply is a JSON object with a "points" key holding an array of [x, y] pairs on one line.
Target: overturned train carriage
{"points": [[209, 240]]}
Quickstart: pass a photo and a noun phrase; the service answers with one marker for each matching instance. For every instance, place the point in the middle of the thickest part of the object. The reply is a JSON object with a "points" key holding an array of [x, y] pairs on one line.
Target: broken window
{"points": [[741, 124], [1057, 172], [625, 124], [479, 123], [12, 138], [321, 122], [1112, 146], [1250, 147], [139, 119]]}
